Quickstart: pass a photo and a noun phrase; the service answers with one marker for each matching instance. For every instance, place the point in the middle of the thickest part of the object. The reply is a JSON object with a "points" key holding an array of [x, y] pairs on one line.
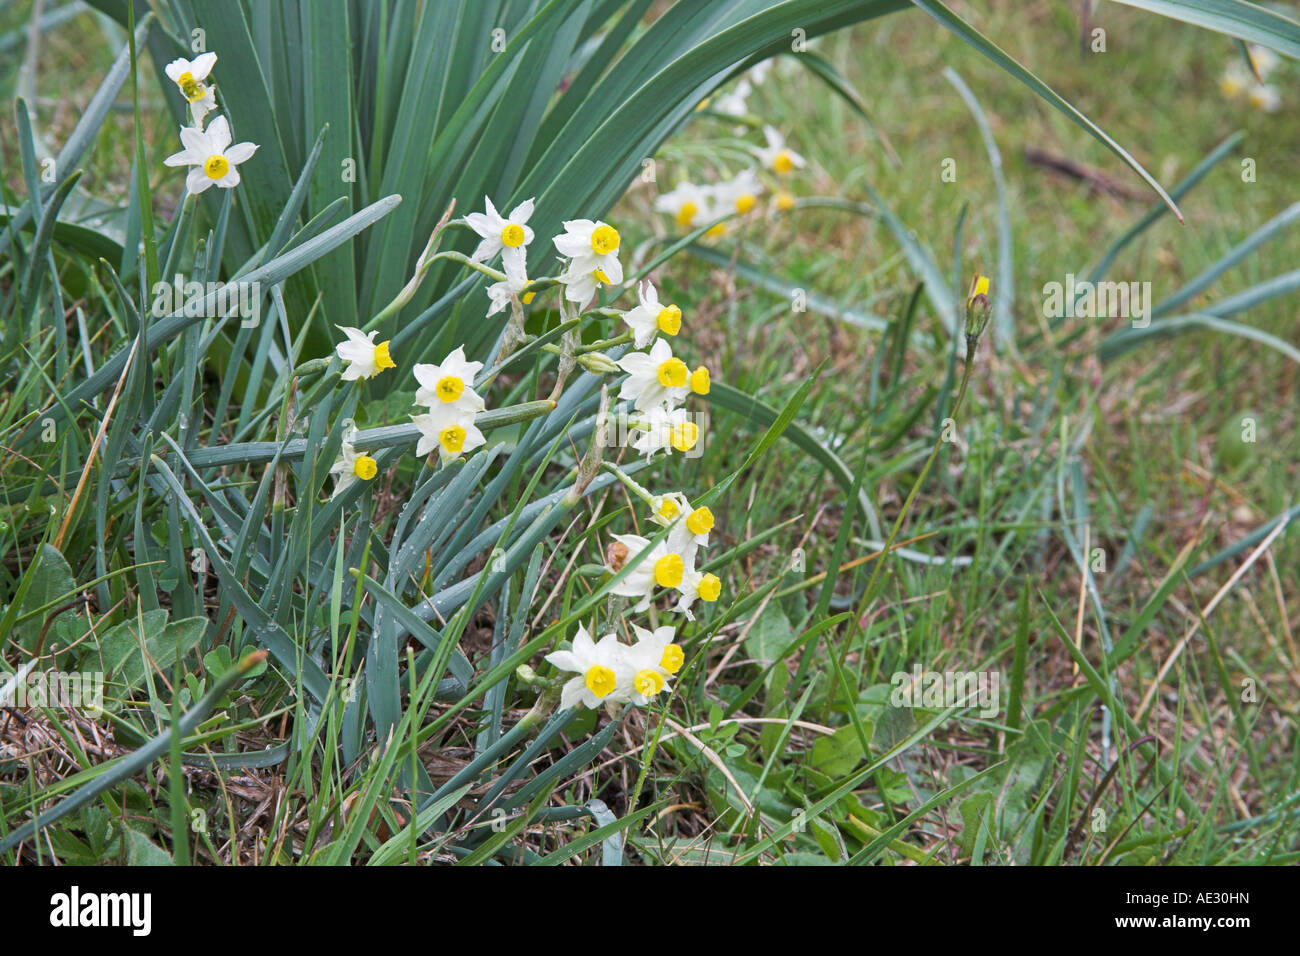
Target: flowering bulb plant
{"points": [[378, 450]]}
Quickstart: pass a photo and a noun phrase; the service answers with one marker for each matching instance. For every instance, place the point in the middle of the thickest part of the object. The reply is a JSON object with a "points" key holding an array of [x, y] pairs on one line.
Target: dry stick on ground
{"points": [[711, 756], [1083, 590], [1089, 175], [94, 447]]}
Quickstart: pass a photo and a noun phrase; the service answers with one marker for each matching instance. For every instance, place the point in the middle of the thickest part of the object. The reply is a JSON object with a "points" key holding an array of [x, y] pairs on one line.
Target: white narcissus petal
{"points": [[576, 240], [176, 68], [612, 268], [219, 134], [513, 258], [573, 693], [582, 642], [240, 152], [202, 65], [563, 660], [638, 364], [183, 158], [522, 212], [202, 107], [580, 289], [456, 364], [480, 223], [197, 142], [230, 180], [196, 181], [426, 444]]}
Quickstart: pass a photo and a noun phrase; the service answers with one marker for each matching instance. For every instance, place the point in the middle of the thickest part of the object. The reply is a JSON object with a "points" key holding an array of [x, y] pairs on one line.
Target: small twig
{"points": [[1090, 175]]}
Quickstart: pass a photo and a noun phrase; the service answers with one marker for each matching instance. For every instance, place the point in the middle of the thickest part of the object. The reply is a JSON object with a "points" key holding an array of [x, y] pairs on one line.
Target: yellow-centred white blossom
{"points": [[662, 429], [660, 568], [740, 193], [212, 159], [654, 378], [508, 235], [602, 672], [696, 584], [592, 250], [687, 203], [652, 661], [351, 467], [449, 429], [189, 77], [449, 383], [690, 526], [777, 156], [362, 358], [650, 317]]}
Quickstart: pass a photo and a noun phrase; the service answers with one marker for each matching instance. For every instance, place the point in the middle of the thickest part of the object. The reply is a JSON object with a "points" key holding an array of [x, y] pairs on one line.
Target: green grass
{"points": [[779, 744]]}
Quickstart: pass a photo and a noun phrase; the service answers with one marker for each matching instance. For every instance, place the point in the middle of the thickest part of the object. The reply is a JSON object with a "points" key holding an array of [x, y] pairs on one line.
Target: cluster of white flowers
{"points": [[657, 384], [612, 672], [213, 161], [670, 564], [693, 204], [445, 390], [1240, 80]]}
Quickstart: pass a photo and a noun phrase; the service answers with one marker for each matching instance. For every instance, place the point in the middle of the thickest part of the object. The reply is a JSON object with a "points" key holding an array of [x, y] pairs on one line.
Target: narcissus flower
{"points": [[691, 531], [654, 378], [362, 357], [1236, 79], [650, 316], [592, 249], [351, 467], [651, 661], [690, 525], [784, 200], [664, 429], [449, 429], [508, 235], [740, 193], [188, 75], [603, 673], [212, 157], [668, 507], [660, 568], [776, 156], [449, 384], [695, 584], [658, 647], [1265, 97], [688, 204]]}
